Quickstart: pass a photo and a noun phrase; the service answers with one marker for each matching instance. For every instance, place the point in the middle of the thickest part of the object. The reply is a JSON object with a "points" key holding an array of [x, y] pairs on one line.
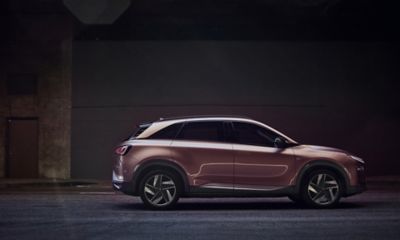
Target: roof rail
{"points": [[200, 116]]}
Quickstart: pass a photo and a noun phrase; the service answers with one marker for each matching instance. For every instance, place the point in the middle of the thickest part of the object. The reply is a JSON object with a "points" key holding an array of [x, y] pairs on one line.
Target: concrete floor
{"points": [[374, 214]]}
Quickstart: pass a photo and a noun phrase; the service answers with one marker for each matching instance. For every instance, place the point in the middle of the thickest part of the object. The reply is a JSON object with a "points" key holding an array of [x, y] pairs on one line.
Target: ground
{"points": [[65, 214]]}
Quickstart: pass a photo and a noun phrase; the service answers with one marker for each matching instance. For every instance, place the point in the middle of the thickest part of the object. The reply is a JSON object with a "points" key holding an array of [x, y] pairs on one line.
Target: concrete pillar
{"points": [[45, 52]]}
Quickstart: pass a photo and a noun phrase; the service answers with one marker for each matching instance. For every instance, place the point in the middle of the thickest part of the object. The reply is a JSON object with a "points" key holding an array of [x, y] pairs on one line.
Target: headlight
{"points": [[357, 159]]}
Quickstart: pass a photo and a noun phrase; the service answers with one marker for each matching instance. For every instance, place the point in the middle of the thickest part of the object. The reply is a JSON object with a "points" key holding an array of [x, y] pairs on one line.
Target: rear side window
{"points": [[202, 131], [251, 134], [169, 132]]}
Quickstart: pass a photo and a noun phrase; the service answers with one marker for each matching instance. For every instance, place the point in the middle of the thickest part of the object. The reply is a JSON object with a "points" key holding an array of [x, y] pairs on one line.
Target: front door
{"points": [[258, 164]]}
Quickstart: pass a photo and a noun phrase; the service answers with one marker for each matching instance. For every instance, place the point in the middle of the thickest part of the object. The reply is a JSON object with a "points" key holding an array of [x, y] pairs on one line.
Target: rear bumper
{"points": [[125, 187], [117, 185]]}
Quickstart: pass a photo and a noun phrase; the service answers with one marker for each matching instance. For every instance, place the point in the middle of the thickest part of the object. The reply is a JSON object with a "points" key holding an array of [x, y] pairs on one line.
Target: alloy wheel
{"points": [[323, 189], [160, 190]]}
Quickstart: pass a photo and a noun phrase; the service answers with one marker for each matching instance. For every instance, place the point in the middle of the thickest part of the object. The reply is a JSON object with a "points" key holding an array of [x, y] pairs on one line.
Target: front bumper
{"points": [[361, 185], [352, 190]]}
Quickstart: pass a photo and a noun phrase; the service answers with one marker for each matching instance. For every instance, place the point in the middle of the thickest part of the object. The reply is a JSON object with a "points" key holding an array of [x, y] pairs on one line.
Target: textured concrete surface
{"points": [[46, 53], [107, 215]]}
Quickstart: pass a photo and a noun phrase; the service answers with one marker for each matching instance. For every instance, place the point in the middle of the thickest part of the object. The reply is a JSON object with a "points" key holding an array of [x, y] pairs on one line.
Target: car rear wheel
{"points": [[160, 189], [322, 189]]}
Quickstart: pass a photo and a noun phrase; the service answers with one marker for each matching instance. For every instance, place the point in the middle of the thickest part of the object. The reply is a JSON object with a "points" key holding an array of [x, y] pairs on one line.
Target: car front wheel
{"points": [[322, 189]]}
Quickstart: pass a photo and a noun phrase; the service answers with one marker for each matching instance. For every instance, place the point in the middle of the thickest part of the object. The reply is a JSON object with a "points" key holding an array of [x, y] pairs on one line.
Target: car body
{"points": [[228, 156]]}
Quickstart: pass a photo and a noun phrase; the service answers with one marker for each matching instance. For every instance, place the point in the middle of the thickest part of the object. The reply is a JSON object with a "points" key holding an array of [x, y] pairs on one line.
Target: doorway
{"points": [[22, 148]]}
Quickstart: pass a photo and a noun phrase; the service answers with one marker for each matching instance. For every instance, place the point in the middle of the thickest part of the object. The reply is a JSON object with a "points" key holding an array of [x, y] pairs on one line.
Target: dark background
{"points": [[323, 72], [331, 93]]}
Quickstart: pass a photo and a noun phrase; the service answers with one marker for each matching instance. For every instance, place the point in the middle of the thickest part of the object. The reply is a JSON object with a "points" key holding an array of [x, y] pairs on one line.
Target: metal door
{"points": [[22, 148]]}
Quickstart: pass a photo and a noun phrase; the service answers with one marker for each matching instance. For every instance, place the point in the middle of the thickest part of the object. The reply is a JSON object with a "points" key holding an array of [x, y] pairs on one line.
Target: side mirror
{"points": [[280, 142]]}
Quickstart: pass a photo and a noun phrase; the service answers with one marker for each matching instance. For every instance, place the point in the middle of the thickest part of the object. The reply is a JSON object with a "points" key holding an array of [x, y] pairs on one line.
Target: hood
{"points": [[322, 148]]}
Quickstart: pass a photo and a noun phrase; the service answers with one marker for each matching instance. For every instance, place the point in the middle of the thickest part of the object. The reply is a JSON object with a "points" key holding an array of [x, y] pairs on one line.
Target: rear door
{"points": [[202, 149]]}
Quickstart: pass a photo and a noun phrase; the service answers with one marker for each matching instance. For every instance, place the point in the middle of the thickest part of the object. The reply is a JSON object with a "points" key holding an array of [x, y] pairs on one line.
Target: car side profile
{"points": [[227, 156]]}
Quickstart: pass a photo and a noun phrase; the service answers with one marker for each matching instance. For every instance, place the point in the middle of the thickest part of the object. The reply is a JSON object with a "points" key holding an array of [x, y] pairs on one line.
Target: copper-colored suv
{"points": [[224, 156]]}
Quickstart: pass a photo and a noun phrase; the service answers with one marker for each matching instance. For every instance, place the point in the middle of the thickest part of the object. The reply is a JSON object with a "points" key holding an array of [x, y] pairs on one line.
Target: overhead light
{"points": [[97, 11]]}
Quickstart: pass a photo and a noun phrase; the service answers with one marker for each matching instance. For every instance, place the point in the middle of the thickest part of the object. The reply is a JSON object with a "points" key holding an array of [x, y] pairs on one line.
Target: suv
{"points": [[225, 156]]}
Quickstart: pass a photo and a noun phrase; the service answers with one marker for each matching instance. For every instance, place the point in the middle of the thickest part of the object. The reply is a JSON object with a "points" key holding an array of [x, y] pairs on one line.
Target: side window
{"points": [[169, 132], [202, 131], [251, 134]]}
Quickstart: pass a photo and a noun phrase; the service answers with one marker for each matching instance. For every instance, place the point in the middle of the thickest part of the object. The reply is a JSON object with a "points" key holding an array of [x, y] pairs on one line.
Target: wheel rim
{"points": [[160, 190], [323, 189]]}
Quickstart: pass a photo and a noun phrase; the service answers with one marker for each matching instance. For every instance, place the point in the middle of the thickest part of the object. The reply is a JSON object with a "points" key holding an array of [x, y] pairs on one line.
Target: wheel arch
{"points": [[160, 164], [322, 164]]}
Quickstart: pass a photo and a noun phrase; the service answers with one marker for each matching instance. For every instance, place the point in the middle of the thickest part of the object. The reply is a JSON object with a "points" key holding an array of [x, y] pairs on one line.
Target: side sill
{"points": [[212, 192]]}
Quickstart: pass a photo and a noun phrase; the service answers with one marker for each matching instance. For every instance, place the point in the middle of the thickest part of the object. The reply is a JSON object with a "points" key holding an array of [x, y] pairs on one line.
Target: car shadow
{"points": [[236, 206]]}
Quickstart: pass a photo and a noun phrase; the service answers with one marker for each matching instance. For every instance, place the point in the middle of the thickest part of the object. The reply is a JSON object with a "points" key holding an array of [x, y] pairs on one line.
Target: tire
{"points": [[160, 189], [321, 189]]}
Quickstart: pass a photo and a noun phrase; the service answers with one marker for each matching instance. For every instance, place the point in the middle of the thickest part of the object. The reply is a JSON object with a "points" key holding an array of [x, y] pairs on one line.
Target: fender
{"points": [[159, 163], [322, 163]]}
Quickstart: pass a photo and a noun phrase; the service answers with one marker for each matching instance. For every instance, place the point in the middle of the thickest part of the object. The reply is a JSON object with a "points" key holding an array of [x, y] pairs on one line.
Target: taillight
{"points": [[122, 150]]}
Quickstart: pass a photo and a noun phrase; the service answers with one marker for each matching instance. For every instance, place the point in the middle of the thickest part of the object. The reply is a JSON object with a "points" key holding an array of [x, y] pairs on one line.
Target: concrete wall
{"points": [[340, 94], [41, 47]]}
